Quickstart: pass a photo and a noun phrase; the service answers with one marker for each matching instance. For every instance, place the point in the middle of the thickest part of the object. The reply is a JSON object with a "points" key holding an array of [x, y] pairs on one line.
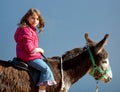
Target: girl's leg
{"points": [[46, 76]]}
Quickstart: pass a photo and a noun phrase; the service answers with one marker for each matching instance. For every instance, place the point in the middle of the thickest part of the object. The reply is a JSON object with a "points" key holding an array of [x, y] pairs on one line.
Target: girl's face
{"points": [[33, 20]]}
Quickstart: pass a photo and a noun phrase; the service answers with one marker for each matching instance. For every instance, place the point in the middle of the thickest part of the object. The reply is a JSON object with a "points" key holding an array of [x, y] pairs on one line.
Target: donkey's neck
{"points": [[77, 67]]}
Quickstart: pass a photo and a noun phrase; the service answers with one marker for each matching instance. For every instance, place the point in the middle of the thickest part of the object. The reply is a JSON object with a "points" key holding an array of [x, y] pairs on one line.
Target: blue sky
{"points": [[66, 21]]}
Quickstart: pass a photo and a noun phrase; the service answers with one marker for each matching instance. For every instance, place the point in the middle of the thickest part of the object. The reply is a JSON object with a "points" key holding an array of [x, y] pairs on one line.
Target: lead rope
{"points": [[96, 86], [62, 75]]}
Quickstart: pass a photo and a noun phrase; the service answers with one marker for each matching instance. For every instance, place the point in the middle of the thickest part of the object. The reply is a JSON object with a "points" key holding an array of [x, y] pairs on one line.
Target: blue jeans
{"points": [[46, 73]]}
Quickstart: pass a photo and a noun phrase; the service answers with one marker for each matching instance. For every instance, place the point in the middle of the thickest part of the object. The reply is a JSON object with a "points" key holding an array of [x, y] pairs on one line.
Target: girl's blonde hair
{"points": [[28, 14]]}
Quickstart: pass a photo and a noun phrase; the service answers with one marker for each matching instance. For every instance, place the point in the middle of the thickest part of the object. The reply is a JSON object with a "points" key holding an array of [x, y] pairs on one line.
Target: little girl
{"points": [[27, 46]]}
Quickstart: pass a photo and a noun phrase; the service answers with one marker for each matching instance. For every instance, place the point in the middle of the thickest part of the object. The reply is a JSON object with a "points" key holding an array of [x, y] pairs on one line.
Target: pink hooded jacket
{"points": [[26, 41]]}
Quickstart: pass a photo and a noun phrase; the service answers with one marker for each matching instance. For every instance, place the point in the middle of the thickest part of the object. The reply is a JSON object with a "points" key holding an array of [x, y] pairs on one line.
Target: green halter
{"points": [[95, 68]]}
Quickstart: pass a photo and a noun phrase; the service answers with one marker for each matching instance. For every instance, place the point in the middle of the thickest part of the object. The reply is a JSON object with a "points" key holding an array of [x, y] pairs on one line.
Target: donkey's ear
{"points": [[101, 44], [88, 40]]}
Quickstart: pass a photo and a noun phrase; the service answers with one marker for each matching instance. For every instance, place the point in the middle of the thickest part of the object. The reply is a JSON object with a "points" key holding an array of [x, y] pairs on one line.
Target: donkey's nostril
{"points": [[109, 79]]}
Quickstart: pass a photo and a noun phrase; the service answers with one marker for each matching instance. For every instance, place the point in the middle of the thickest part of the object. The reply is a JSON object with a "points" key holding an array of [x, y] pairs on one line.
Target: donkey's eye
{"points": [[104, 61]]}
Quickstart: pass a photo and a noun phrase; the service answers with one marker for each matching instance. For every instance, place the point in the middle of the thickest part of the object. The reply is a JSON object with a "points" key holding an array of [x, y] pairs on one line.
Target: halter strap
{"points": [[95, 67], [91, 56]]}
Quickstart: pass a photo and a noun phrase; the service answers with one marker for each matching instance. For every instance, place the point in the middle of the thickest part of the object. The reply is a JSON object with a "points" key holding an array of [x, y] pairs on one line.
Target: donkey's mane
{"points": [[72, 53], [69, 54]]}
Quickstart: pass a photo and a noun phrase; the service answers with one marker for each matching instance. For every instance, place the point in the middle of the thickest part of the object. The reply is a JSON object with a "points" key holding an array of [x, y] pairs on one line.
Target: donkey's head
{"points": [[100, 68]]}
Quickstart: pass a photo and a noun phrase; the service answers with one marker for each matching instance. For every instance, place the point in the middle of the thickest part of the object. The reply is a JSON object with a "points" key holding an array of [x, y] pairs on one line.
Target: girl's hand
{"points": [[38, 50]]}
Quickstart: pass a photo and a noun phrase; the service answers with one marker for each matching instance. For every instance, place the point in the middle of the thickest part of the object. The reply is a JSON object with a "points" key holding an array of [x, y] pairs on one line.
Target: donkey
{"points": [[92, 59]]}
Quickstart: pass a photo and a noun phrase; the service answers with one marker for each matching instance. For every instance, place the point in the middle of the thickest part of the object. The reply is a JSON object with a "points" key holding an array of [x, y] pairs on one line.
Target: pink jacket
{"points": [[26, 41]]}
